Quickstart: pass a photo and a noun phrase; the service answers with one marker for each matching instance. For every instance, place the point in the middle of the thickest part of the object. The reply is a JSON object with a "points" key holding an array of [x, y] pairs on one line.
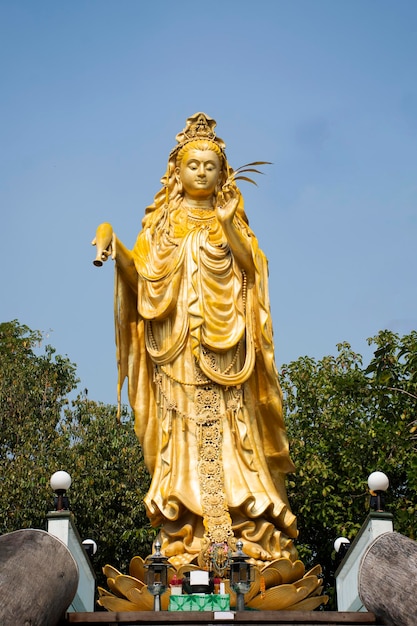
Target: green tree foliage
{"points": [[33, 391], [345, 421], [41, 431]]}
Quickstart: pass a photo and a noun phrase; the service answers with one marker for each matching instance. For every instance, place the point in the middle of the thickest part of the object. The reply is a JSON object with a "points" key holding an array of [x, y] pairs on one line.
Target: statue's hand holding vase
{"points": [[104, 243]]}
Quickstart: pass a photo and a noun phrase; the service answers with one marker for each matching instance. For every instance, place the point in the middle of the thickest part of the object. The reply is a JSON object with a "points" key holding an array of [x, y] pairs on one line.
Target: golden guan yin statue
{"points": [[194, 340]]}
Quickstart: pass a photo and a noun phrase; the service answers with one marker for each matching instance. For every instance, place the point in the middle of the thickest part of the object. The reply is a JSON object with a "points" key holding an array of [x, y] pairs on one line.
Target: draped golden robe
{"points": [[195, 342]]}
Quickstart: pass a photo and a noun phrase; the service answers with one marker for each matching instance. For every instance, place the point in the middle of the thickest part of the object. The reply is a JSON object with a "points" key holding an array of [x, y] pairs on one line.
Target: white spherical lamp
{"points": [[61, 481], [341, 543], [378, 483]]}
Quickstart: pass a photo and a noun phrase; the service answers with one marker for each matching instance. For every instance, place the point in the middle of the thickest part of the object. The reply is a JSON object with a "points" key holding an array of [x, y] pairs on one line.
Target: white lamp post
{"points": [[341, 546], [60, 482], [90, 547], [378, 483], [341, 543]]}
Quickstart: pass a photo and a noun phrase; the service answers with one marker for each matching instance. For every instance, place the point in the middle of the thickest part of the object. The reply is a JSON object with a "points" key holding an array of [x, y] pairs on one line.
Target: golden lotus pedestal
{"points": [[277, 586]]}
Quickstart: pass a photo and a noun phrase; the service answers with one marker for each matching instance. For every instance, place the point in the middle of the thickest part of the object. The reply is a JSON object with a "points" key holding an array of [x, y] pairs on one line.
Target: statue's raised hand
{"points": [[104, 242], [226, 210]]}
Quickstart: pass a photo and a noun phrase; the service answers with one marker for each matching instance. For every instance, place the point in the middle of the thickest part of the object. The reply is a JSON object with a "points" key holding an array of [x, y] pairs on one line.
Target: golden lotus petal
{"points": [[117, 604], [104, 592], [309, 604], [124, 583], [309, 582], [112, 586], [278, 598], [290, 571], [110, 572], [137, 569], [315, 571], [142, 598], [272, 577]]}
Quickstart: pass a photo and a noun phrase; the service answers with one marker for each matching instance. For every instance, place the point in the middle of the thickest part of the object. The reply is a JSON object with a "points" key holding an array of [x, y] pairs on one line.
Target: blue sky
{"points": [[93, 93]]}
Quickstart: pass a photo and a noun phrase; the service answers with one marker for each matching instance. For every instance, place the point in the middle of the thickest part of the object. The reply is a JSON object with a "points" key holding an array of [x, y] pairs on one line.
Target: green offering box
{"points": [[200, 602]]}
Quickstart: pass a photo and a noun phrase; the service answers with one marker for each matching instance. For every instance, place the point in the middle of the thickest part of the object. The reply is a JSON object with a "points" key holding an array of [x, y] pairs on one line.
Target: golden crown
{"points": [[198, 126]]}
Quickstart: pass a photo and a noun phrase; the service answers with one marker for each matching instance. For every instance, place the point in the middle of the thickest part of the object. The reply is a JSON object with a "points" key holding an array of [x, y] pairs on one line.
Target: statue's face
{"points": [[199, 172]]}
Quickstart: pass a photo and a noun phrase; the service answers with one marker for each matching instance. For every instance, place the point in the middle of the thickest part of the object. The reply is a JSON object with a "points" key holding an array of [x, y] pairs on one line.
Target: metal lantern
{"points": [[157, 575], [240, 575]]}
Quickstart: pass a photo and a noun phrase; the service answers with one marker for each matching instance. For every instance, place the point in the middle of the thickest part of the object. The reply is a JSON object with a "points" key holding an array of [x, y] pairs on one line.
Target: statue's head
{"points": [[197, 146], [197, 142]]}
